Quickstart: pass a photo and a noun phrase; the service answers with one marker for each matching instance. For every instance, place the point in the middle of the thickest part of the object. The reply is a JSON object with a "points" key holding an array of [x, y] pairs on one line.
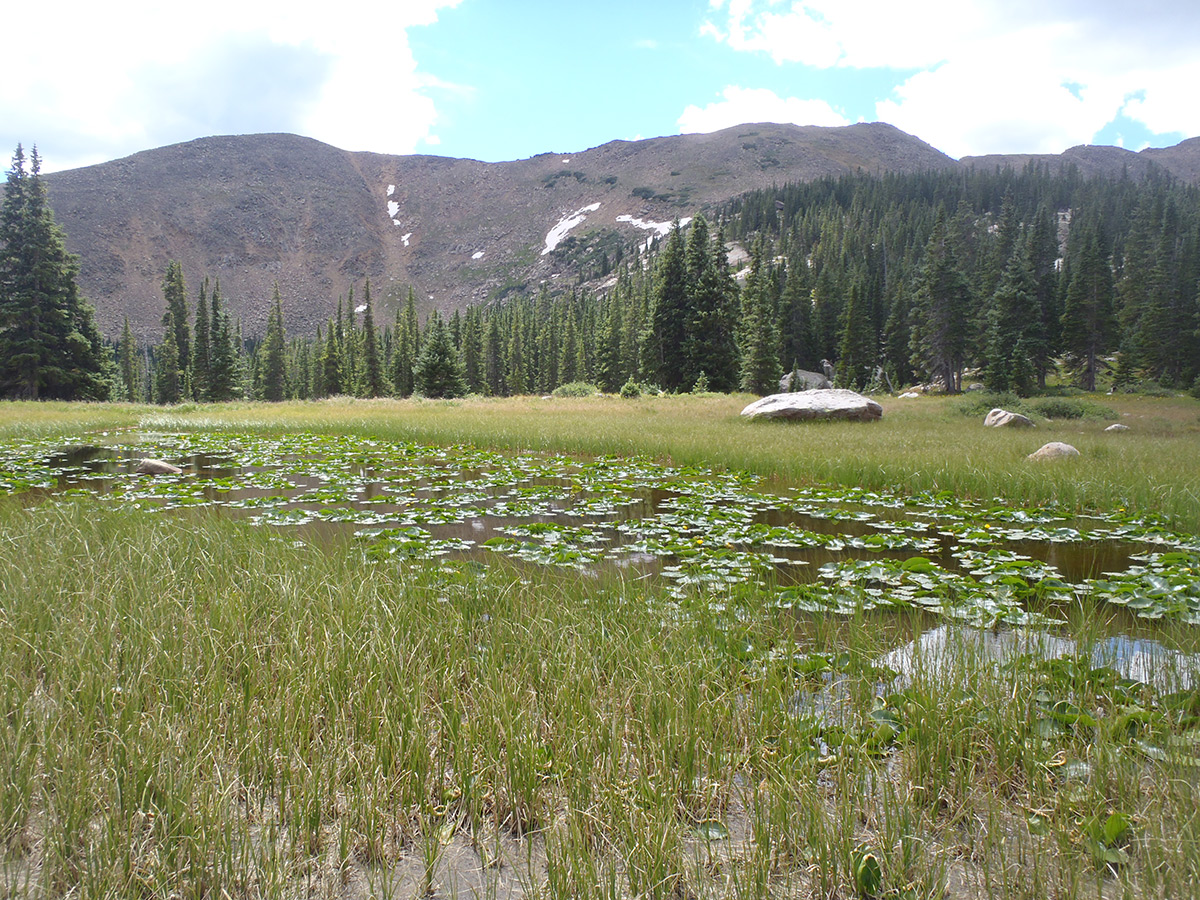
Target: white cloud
{"points": [[115, 80], [991, 75], [740, 105]]}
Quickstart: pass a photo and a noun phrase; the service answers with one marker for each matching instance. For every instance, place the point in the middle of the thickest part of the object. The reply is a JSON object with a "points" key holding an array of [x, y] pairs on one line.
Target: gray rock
{"points": [[1053, 450], [822, 404], [156, 467], [909, 395], [1117, 427], [804, 381], [1002, 418]]}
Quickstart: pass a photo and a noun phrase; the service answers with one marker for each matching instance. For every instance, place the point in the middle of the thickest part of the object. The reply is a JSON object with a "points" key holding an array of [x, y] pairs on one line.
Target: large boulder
{"points": [[1053, 450], [1002, 418], [802, 380], [833, 403]]}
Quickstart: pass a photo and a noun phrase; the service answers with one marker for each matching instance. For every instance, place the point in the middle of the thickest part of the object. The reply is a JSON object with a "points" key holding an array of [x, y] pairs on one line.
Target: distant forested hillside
{"points": [[893, 279]]}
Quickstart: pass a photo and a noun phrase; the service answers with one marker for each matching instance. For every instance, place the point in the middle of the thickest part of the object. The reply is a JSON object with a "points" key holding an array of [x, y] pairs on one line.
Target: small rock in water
{"points": [[156, 467], [1053, 450]]}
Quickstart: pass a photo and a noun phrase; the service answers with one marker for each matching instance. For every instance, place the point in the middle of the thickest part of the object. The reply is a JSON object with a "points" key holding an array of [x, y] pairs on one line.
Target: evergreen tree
{"points": [[168, 378], [272, 368], [439, 370], [50, 348], [609, 374], [407, 347], [896, 339], [128, 365], [664, 356], [1088, 323], [514, 364], [374, 384], [1015, 336], [472, 351], [797, 337], [175, 293], [493, 359], [939, 326], [710, 339], [223, 353], [759, 345], [857, 353], [330, 363], [1042, 245], [201, 350]]}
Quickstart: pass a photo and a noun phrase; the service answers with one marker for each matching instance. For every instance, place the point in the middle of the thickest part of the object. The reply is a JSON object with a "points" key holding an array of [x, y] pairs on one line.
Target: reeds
{"points": [[191, 706]]}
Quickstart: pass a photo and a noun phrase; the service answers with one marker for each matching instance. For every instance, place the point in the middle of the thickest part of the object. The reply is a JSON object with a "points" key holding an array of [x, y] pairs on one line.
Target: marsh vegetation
{"points": [[593, 647]]}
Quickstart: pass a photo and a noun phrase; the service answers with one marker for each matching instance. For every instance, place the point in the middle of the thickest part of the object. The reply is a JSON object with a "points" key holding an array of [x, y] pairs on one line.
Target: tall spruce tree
{"points": [[128, 365], [710, 339], [664, 350], [224, 377], [858, 353], [759, 344], [50, 348], [168, 377], [202, 347], [1015, 337], [175, 294], [272, 366], [940, 331], [439, 372], [1088, 323], [374, 382]]}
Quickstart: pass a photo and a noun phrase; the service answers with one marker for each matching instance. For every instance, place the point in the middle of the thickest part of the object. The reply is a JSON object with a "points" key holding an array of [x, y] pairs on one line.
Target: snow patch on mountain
{"points": [[478, 254], [405, 237], [565, 224], [393, 209], [660, 229], [391, 189]]}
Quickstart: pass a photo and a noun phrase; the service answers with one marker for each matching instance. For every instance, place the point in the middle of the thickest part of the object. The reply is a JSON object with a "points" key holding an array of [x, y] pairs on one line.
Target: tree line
{"points": [[1011, 276]]}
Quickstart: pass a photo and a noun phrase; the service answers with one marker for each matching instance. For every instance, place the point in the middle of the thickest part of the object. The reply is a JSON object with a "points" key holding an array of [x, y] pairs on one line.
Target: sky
{"points": [[508, 79]]}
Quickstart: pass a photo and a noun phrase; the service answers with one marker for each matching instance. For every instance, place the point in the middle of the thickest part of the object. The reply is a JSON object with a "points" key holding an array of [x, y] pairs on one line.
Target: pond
{"points": [[819, 549]]}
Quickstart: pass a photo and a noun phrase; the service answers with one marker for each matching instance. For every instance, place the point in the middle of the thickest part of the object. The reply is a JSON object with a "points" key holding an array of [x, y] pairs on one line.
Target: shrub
{"points": [[576, 389], [630, 390], [1064, 408], [1195, 391]]}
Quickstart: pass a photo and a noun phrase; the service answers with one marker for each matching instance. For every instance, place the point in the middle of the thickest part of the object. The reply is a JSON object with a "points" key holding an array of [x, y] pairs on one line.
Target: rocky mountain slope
{"points": [[254, 210]]}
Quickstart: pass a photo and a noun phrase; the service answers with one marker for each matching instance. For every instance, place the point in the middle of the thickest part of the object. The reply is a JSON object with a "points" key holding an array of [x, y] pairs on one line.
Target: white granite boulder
{"points": [[802, 380], [1002, 418], [1053, 450], [1117, 427], [834, 403]]}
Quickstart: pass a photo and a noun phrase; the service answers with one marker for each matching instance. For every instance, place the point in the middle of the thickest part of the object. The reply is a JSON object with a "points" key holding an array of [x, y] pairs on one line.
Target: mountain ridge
{"points": [[253, 210]]}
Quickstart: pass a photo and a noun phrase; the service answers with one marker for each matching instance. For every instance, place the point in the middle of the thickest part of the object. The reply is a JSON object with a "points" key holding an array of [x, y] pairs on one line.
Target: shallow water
{"points": [[695, 529]]}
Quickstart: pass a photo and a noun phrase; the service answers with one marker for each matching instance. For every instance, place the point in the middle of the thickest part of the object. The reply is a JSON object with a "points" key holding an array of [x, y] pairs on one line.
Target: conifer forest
{"points": [[894, 280]]}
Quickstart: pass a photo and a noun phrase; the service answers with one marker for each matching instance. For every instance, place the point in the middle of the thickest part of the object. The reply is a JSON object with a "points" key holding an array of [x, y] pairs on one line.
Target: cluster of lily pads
{"points": [[825, 548]]}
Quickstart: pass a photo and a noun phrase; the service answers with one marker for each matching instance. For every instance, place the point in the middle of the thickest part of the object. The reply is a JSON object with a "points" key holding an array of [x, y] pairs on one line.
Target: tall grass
{"points": [[195, 707], [920, 445]]}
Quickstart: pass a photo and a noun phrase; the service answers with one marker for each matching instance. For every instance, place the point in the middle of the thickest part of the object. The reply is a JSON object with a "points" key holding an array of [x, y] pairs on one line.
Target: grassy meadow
{"points": [[192, 706]]}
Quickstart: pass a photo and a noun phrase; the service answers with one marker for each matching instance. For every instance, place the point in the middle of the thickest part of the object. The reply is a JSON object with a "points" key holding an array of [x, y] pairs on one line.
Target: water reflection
{"points": [[697, 528]]}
